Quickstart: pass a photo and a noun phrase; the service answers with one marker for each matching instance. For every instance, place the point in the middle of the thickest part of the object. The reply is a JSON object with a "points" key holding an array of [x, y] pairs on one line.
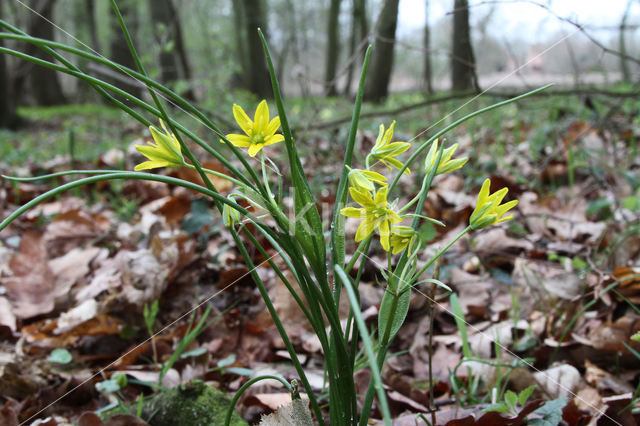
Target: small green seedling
{"points": [[60, 356], [223, 367], [513, 402]]}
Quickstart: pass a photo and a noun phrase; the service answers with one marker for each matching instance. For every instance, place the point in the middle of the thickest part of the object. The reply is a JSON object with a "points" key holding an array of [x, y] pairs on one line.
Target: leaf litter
{"points": [[556, 287]]}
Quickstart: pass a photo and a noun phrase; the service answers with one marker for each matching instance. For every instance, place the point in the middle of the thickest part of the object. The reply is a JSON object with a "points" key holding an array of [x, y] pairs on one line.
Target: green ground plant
{"points": [[316, 257]]}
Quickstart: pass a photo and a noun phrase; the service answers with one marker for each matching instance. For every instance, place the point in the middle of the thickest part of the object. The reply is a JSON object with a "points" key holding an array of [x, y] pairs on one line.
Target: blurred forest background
{"points": [[570, 154], [202, 48]]}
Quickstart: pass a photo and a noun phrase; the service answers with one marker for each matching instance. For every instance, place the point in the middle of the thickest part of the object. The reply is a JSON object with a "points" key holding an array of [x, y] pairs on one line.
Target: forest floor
{"points": [[550, 298]]}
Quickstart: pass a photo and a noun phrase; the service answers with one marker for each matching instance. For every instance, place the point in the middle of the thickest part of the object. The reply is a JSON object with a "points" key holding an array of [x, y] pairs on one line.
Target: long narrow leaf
{"points": [[307, 222], [368, 345], [456, 124], [338, 221]]}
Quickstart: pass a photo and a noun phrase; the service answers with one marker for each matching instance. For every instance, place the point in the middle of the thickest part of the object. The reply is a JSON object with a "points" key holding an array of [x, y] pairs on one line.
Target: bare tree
{"points": [[359, 31], [118, 45], [249, 15], [333, 48], [167, 31], [624, 65], [463, 64], [428, 77], [44, 81], [377, 86], [8, 116], [90, 13]]}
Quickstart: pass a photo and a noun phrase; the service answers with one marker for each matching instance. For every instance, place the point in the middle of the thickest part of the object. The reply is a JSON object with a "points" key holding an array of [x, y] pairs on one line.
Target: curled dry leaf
{"points": [[55, 208], [295, 413], [7, 318], [31, 288], [71, 267], [548, 277], [143, 277], [559, 382], [629, 279], [611, 337], [81, 313]]}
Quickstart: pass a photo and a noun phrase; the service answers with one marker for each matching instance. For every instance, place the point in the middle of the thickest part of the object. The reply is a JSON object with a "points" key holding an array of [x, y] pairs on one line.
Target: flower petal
{"points": [[151, 165], [254, 149], [241, 141], [384, 234], [353, 212], [484, 193], [381, 197], [365, 229], [261, 118], [243, 119], [360, 197], [273, 126], [270, 140], [153, 153]]}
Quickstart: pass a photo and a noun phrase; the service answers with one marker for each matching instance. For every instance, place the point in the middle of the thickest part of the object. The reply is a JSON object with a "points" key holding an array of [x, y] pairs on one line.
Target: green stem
{"points": [[279, 326], [131, 175], [218, 174], [45, 44], [312, 319], [354, 335], [94, 81], [368, 399], [368, 346], [159, 105], [441, 251], [456, 124], [250, 382], [362, 248], [337, 225]]}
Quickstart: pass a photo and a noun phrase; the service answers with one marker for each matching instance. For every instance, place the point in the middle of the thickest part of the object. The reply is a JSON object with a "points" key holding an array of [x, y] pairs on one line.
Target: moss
{"points": [[192, 404]]}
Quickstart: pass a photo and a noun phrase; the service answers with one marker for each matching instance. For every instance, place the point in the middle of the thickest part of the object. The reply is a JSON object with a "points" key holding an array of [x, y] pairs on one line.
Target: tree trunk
{"points": [[377, 86], [44, 81], [181, 51], [249, 15], [624, 65], [333, 48], [8, 116], [164, 34], [120, 50], [463, 64], [91, 23], [428, 77], [359, 30]]}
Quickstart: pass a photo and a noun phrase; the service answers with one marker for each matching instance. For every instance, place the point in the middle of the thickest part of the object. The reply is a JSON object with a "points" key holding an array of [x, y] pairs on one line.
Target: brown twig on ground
{"points": [[586, 91]]}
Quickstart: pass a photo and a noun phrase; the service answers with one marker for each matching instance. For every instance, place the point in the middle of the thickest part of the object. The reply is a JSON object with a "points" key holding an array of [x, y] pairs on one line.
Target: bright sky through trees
{"points": [[522, 18]]}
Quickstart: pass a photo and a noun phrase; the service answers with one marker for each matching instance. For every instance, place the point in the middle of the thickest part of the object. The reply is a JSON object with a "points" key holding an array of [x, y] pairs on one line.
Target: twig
{"points": [[448, 97]]}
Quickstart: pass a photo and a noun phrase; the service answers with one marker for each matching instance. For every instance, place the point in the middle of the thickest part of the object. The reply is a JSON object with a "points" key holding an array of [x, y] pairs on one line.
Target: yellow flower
{"points": [[446, 164], [365, 179], [375, 213], [164, 153], [488, 210], [384, 150], [259, 133], [401, 237]]}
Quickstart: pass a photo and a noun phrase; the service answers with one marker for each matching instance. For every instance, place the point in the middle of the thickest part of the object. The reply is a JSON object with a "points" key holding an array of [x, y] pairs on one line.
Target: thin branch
{"points": [[580, 27], [436, 100]]}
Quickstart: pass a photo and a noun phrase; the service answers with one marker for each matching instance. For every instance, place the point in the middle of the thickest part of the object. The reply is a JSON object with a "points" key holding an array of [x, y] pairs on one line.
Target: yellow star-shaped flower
{"points": [[446, 164], [488, 210], [401, 237], [365, 179], [165, 152], [384, 150], [258, 133], [375, 213]]}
